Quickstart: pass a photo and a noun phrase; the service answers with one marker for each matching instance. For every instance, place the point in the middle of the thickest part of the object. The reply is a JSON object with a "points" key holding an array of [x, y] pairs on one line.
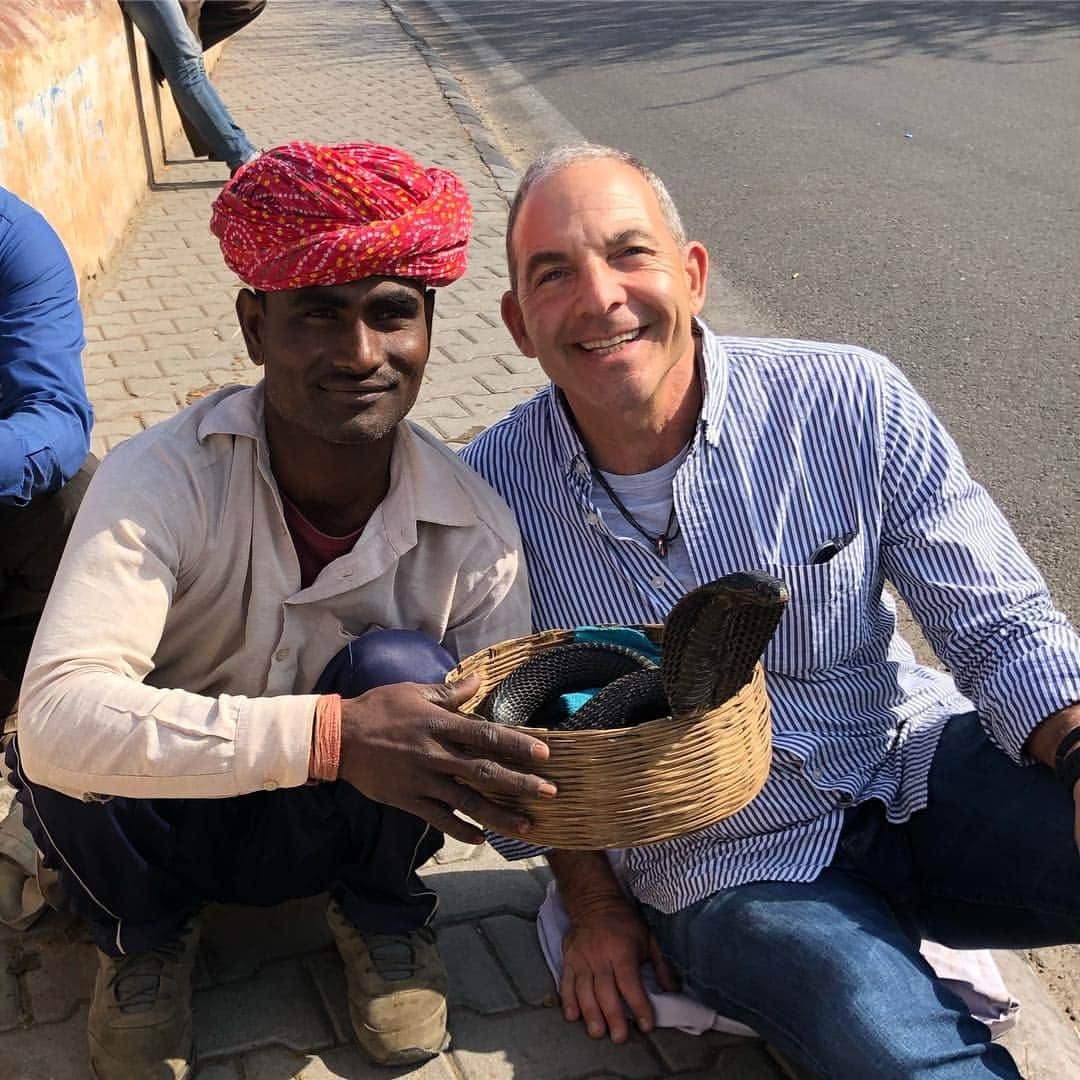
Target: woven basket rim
{"points": [[626, 787]]}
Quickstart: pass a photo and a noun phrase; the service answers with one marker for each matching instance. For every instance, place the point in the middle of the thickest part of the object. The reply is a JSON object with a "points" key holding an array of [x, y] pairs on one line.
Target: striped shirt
{"points": [[800, 444]]}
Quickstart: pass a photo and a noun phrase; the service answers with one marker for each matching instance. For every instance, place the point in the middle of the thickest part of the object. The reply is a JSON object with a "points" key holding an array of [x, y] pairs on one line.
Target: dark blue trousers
{"points": [[135, 869], [829, 971]]}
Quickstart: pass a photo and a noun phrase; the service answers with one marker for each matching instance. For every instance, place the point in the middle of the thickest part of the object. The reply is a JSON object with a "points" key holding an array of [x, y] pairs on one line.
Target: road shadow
{"points": [[733, 36]]}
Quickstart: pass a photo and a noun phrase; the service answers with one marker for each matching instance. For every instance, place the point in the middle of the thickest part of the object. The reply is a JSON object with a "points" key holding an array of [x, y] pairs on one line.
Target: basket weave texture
{"points": [[639, 785]]}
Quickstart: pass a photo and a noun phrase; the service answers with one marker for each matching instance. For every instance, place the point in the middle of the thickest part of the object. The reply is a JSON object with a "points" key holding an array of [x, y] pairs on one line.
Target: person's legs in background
{"points": [[179, 52], [32, 539]]}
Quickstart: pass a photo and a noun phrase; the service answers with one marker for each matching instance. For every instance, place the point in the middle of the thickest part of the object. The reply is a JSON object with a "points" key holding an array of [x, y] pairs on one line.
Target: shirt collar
{"points": [[571, 450], [237, 411], [712, 365], [424, 475]]}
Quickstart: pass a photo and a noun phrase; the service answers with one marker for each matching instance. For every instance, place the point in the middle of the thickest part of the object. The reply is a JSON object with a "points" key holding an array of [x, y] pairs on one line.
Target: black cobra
{"points": [[713, 637]]}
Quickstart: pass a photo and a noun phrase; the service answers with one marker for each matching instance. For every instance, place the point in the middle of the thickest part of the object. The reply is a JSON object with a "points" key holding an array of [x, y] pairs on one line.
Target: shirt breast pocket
{"points": [[825, 621]]}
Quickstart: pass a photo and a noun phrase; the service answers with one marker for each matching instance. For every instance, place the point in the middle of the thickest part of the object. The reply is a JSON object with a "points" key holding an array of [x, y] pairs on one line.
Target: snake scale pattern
{"points": [[713, 637]]}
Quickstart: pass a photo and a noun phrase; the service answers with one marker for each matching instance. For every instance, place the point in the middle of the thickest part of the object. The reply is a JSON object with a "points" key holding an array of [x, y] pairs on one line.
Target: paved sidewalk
{"points": [[269, 1001]]}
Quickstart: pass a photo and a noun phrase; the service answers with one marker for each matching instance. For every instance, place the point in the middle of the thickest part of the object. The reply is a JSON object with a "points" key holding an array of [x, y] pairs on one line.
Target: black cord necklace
{"points": [[661, 544]]}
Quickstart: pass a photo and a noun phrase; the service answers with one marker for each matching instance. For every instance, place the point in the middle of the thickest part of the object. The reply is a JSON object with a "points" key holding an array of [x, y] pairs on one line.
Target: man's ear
{"points": [[696, 263], [515, 323], [251, 314], [429, 313]]}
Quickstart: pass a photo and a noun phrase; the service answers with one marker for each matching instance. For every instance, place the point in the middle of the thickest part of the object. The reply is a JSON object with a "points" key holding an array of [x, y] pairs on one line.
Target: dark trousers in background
{"points": [[32, 539], [215, 21], [135, 869]]}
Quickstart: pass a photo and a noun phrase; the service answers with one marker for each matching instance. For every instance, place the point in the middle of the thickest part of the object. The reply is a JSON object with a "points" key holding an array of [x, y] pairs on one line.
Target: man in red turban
{"points": [[296, 568]]}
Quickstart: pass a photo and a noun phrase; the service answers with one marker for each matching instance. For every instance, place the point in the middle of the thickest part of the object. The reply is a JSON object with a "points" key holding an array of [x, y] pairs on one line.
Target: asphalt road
{"points": [[902, 176]]}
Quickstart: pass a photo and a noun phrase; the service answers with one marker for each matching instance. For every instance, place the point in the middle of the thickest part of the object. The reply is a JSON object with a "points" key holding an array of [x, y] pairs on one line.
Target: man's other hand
{"points": [[407, 746], [602, 957]]}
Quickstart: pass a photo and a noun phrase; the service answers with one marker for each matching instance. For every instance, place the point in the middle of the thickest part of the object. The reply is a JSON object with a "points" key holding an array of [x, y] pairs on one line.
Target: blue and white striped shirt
{"points": [[799, 443]]}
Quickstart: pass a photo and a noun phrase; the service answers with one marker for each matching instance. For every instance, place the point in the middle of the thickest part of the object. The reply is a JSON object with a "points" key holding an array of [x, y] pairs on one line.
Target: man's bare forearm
{"points": [[586, 881]]}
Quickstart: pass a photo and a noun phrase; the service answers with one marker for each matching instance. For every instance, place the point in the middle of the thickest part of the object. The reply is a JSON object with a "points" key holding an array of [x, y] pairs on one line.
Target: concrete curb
{"points": [[503, 173]]}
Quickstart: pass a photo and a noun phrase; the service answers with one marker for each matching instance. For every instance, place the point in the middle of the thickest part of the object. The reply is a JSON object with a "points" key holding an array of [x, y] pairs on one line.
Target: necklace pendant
{"points": [[662, 546]]}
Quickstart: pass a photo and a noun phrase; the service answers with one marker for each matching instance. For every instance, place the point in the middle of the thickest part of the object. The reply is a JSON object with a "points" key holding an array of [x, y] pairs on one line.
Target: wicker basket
{"points": [[638, 785]]}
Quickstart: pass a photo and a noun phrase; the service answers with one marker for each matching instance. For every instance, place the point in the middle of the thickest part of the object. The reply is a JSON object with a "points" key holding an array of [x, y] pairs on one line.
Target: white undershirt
{"points": [[649, 498]]}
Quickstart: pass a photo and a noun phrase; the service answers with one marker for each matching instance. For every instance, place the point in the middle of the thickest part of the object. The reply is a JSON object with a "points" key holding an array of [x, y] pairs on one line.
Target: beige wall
{"points": [[71, 137]]}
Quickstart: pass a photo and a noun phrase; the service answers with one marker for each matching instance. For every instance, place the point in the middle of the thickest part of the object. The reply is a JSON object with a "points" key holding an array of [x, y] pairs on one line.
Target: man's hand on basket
{"points": [[604, 949], [407, 746]]}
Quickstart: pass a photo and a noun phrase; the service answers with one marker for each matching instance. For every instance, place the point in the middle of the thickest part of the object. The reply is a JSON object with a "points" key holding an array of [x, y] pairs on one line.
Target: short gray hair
{"points": [[554, 160]]}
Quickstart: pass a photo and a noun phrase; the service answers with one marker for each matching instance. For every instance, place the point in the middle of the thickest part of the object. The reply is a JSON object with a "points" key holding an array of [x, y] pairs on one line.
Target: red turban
{"points": [[303, 214]]}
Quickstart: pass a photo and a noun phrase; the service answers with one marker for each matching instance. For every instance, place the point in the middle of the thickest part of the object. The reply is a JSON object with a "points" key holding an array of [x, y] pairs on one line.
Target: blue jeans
{"points": [[180, 55], [829, 971], [134, 869]]}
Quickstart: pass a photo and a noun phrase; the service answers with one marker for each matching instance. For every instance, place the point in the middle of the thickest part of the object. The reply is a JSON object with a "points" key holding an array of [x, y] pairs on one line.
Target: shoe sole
{"points": [[413, 1055], [193, 1065]]}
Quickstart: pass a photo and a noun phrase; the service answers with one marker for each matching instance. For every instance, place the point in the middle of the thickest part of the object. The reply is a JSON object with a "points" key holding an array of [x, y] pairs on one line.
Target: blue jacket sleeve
{"points": [[45, 416]]}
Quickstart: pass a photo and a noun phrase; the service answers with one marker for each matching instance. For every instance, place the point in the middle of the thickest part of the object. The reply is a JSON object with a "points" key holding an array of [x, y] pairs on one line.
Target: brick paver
{"points": [[269, 988]]}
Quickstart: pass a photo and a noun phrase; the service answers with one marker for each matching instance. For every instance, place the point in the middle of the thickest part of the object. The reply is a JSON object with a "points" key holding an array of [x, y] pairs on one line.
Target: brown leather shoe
{"points": [[140, 1014], [397, 991]]}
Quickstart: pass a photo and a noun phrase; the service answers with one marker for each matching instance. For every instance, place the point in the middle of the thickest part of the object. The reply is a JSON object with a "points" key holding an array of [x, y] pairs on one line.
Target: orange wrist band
{"points": [[326, 738]]}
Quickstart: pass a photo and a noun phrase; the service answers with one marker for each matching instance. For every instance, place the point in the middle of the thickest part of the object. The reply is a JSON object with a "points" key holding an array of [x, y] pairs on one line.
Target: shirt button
{"points": [[657, 582], [592, 518], [581, 468], [282, 654], [270, 785], [844, 800]]}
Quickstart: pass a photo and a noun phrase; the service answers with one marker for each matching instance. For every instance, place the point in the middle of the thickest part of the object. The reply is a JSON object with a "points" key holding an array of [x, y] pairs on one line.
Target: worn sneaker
{"points": [[140, 1014], [397, 991]]}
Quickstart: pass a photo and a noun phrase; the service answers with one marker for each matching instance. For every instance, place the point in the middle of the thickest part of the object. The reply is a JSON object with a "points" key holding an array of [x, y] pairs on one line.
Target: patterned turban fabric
{"points": [[303, 214]]}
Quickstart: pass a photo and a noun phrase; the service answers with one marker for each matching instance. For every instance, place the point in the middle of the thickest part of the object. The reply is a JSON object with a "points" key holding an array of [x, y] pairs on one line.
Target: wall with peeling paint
{"points": [[81, 122]]}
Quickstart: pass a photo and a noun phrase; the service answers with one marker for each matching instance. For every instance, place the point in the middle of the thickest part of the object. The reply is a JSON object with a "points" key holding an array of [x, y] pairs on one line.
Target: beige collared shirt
{"points": [[177, 649]]}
